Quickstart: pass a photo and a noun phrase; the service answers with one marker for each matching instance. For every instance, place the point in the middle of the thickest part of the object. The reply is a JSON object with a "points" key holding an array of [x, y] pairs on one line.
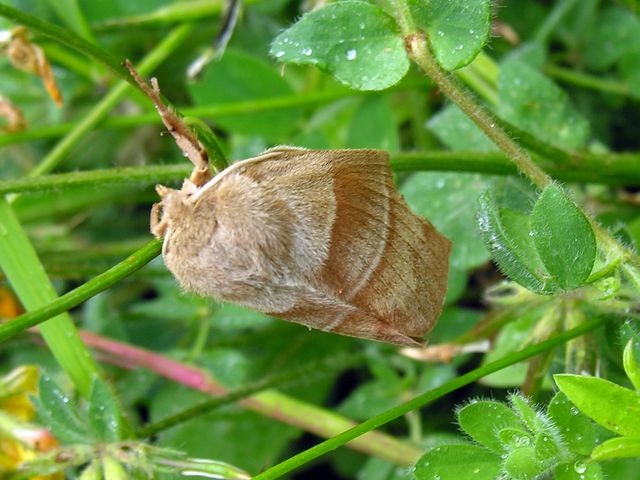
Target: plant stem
{"points": [[207, 111], [117, 93], [270, 403], [610, 170], [24, 271], [75, 297], [291, 377], [328, 445], [581, 79], [419, 51]]}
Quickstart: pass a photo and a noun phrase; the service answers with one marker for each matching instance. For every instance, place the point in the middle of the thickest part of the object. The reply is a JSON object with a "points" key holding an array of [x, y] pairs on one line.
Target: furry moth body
{"points": [[317, 237]]}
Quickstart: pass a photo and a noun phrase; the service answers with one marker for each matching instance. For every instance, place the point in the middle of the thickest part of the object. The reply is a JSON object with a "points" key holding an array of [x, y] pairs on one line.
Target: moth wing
{"points": [[384, 273]]}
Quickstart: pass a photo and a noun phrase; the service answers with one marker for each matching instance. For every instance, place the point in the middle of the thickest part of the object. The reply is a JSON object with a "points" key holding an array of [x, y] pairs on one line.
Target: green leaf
{"points": [[534, 103], [563, 237], [105, 415], [576, 429], [453, 462], [483, 420], [631, 365], [449, 201], [240, 77], [614, 407], [534, 420], [614, 34], [619, 447], [355, 41], [522, 464], [374, 126], [513, 438], [546, 448], [579, 470], [506, 234], [59, 414], [457, 29]]}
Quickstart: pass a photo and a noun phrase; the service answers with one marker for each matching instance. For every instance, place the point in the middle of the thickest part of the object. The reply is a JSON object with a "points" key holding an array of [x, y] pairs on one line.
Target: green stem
{"points": [[24, 271], [558, 12], [581, 79], [420, 53], [113, 176], [610, 170], [117, 93], [75, 297], [292, 377], [329, 445], [206, 111], [172, 13]]}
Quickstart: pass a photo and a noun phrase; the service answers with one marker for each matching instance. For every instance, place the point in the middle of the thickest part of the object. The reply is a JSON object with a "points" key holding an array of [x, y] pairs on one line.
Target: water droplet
{"points": [[574, 411], [351, 54], [440, 33], [279, 53], [362, 26], [307, 52], [472, 31], [580, 466], [476, 470]]}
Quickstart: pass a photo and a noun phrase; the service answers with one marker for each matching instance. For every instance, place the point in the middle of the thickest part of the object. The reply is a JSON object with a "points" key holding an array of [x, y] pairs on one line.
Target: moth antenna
{"points": [[184, 137]]}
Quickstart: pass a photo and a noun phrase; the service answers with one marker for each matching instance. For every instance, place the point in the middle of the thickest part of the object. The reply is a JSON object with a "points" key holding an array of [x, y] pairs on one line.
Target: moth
{"points": [[316, 237]]}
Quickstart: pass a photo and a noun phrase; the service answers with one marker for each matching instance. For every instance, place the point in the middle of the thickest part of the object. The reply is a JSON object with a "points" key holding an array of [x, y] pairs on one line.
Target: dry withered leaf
{"points": [[29, 57], [14, 116]]}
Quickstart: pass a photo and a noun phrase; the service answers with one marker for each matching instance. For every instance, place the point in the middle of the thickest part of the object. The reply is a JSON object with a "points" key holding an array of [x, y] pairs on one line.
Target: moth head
{"points": [[173, 205]]}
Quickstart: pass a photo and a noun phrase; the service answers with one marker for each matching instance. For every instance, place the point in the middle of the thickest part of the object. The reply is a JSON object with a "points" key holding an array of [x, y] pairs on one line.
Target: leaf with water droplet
{"points": [[547, 449], [522, 464], [483, 420], [563, 238], [577, 431], [58, 413], [614, 407], [619, 447], [105, 414], [568, 471], [453, 462], [355, 41], [506, 233], [457, 29]]}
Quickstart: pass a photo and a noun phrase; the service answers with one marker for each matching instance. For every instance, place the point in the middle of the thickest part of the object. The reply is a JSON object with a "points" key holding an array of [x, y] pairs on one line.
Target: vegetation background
{"points": [[563, 78]]}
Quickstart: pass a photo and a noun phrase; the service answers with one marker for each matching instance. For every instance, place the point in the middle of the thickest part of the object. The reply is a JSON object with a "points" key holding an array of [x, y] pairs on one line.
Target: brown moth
{"points": [[317, 237]]}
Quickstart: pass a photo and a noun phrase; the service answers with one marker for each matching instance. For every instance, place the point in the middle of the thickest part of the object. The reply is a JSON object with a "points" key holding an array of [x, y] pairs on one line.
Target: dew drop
{"points": [[580, 466], [307, 52], [351, 54], [279, 53]]}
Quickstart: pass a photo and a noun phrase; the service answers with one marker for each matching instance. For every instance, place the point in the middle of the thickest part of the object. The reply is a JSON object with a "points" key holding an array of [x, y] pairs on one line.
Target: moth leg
{"points": [[182, 134], [158, 225]]}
